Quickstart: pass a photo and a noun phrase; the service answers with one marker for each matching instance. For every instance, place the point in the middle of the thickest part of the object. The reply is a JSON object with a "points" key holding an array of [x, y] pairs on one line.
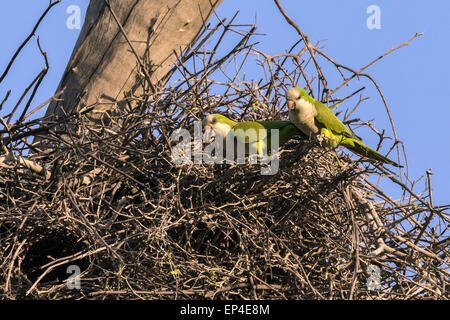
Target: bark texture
{"points": [[103, 67]]}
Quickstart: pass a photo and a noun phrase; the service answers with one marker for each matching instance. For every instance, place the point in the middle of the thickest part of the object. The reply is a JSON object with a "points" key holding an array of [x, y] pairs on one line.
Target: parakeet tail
{"points": [[364, 150]]}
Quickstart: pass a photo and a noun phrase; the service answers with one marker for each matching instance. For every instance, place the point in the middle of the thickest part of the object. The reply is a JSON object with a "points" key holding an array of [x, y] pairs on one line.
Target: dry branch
{"points": [[139, 226]]}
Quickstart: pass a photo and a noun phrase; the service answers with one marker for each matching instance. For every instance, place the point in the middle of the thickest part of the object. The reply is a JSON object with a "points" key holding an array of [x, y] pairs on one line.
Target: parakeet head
{"points": [[293, 95], [216, 124]]}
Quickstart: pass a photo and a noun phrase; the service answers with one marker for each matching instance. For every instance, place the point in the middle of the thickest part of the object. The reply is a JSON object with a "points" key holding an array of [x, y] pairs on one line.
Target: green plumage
{"points": [[325, 118], [257, 134], [337, 133], [222, 119]]}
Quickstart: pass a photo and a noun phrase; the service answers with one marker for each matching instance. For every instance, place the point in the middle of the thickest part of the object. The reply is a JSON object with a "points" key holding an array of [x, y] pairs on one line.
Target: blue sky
{"points": [[415, 79]]}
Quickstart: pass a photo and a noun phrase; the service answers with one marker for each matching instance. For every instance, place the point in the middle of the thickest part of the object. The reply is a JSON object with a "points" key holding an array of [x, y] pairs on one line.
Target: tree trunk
{"points": [[103, 66]]}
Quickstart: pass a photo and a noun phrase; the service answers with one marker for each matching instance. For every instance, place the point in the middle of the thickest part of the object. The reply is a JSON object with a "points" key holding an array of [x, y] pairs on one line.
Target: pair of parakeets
{"points": [[307, 117]]}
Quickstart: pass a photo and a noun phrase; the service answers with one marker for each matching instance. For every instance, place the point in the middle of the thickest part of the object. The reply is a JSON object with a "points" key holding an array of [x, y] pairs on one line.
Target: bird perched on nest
{"points": [[316, 120], [256, 136]]}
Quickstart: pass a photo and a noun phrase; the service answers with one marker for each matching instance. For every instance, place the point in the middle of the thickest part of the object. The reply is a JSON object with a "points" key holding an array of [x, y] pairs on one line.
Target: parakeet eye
{"points": [[214, 121]]}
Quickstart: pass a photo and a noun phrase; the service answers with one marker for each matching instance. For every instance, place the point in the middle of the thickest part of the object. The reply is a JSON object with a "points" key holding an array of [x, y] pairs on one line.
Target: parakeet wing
{"points": [[252, 131]]}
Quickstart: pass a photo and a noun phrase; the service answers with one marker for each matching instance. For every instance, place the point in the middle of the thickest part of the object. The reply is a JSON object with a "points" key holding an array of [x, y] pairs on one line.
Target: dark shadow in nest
{"points": [[204, 239], [46, 245]]}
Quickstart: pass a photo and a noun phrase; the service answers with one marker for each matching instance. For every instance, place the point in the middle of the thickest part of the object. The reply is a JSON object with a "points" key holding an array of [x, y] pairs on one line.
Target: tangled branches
{"points": [[107, 198]]}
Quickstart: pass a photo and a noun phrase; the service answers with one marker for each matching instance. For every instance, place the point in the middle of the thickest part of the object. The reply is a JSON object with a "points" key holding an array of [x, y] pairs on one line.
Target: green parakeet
{"points": [[315, 119], [256, 135]]}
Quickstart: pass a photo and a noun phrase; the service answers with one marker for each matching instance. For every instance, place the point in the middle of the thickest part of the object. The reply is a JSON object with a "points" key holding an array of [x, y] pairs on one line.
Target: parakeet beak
{"points": [[209, 134], [291, 104]]}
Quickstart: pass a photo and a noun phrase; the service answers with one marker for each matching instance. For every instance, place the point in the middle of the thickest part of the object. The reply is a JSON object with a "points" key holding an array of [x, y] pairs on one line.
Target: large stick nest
{"points": [[107, 198]]}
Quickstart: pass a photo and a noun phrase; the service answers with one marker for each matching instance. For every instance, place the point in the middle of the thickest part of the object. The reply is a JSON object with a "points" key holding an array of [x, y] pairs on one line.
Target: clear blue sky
{"points": [[415, 79]]}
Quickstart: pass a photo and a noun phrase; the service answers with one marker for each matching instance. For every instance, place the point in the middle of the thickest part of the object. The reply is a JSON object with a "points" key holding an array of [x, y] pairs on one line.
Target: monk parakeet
{"points": [[315, 119], [256, 135]]}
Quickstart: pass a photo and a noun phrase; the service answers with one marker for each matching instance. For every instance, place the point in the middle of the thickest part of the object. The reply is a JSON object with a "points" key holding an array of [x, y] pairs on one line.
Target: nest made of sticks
{"points": [[107, 198]]}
